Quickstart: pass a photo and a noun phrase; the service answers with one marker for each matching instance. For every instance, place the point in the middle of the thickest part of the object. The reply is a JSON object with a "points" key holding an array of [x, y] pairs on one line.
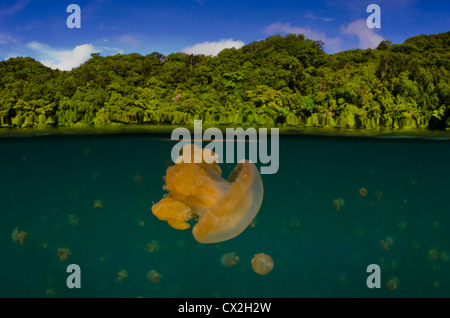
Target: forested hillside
{"points": [[283, 80]]}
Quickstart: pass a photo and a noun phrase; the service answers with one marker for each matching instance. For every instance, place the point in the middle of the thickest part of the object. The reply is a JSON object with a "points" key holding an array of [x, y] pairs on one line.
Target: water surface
{"points": [[318, 251]]}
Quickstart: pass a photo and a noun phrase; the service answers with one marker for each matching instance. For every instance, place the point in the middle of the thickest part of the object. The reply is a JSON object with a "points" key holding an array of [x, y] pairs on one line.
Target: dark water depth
{"points": [[49, 185]]}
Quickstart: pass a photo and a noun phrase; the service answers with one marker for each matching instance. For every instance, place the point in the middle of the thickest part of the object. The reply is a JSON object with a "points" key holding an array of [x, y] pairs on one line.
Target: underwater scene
{"points": [[335, 206]]}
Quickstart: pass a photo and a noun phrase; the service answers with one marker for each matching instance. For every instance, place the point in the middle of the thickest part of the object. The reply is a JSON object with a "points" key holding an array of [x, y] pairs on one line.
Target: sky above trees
{"points": [[38, 29]]}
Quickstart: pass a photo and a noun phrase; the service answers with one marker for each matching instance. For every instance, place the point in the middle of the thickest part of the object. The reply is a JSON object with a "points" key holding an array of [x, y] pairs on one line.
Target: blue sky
{"points": [[37, 28]]}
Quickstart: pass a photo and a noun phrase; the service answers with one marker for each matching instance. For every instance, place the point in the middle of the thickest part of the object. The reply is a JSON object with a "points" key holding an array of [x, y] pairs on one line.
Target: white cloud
{"points": [[332, 44], [311, 15], [63, 60], [212, 48], [366, 36], [5, 38]]}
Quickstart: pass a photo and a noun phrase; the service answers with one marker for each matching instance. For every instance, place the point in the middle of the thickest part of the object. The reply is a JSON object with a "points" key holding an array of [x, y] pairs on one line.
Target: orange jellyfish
{"points": [[121, 276], [18, 236], [98, 204], [224, 207], [338, 203], [262, 264], [392, 283], [64, 253], [229, 259], [154, 276], [363, 192]]}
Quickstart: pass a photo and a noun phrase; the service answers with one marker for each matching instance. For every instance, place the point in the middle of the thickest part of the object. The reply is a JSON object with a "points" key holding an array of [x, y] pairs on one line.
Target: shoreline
{"points": [[130, 129]]}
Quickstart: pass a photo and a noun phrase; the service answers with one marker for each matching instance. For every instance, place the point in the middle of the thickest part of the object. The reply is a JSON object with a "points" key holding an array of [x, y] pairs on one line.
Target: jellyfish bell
{"points": [[338, 203], [363, 192], [229, 259], [63, 253], [121, 275], [154, 276], [18, 236], [224, 207], [262, 264]]}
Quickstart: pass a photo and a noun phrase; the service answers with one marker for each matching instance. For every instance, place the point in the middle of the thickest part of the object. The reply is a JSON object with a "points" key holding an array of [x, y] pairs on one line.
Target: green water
{"points": [[46, 179]]}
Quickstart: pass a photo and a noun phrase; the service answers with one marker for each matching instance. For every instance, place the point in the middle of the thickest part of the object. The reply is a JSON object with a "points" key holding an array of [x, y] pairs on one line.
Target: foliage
{"points": [[283, 80]]}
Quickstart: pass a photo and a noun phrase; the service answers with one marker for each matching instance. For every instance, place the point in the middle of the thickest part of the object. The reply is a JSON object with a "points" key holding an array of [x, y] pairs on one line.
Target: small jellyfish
{"points": [[253, 223], [72, 219], [63, 253], [138, 179], [392, 283], [363, 192], [50, 292], [121, 276], [223, 208], [97, 204], [338, 203], [153, 246], [154, 276], [18, 236], [229, 259], [262, 264], [386, 243], [433, 254]]}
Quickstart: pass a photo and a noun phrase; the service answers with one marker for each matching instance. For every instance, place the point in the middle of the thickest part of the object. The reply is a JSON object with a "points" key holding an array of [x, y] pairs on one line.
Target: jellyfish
{"points": [[386, 243], [392, 283], [363, 192], [64, 253], [262, 264], [18, 236], [154, 276], [98, 204], [138, 178], [153, 246], [121, 276], [338, 203], [229, 259], [50, 292], [223, 208], [433, 254]]}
